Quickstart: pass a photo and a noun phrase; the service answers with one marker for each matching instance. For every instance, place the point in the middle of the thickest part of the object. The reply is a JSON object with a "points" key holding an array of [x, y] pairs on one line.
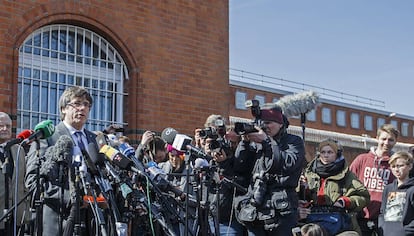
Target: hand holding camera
{"points": [[147, 137]]}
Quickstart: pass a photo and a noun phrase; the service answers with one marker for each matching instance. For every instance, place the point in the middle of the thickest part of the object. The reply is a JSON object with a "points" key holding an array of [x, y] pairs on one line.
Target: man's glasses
{"points": [[79, 104]]}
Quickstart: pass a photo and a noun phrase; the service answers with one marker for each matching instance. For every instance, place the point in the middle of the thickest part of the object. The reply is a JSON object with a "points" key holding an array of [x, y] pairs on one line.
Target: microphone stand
{"points": [[62, 191], [303, 121], [39, 197], [8, 213], [77, 221], [187, 179], [7, 172], [165, 202]]}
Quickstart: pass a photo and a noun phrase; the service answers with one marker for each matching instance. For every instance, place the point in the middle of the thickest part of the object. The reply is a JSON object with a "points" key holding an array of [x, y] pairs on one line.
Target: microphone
{"points": [[60, 152], [118, 158], [168, 135], [183, 143], [63, 148], [201, 163], [129, 151], [19, 138], [157, 175], [297, 104], [43, 130]]}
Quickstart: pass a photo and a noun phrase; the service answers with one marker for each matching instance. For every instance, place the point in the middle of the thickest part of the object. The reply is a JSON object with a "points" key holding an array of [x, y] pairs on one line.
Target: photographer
{"points": [[219, 142], [151, 148], [270, 206]]}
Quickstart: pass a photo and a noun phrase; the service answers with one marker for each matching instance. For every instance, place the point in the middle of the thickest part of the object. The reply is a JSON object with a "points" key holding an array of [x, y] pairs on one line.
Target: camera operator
{"points": [[270, 206]]}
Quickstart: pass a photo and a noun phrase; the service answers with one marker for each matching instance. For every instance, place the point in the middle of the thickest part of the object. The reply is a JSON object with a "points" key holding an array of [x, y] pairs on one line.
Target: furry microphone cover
{"points": [[297, 104]]}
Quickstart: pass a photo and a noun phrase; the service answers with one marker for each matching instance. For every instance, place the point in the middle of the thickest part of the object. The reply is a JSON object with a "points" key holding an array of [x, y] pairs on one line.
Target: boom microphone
{"points": [[43, 130], [297, 104]]}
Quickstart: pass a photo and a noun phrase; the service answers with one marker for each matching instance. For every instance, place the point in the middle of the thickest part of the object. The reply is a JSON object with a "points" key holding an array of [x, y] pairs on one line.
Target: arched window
{"points": [[58, 56]]}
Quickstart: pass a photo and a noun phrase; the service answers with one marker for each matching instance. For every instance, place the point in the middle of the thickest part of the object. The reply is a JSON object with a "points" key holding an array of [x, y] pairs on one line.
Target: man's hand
{"points": [[147, 137], [257, 137]]}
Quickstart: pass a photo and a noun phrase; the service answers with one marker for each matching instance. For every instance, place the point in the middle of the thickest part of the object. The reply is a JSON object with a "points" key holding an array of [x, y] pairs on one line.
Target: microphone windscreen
{"points": [[200, 163], [127, 150], [25, 134], [50, 159], [63, 147], [168, 135], [297, 104], [46, 127]]}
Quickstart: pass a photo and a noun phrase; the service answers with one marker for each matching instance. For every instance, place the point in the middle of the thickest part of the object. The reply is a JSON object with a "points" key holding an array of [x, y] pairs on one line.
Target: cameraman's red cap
{"points": [[272, 115]]}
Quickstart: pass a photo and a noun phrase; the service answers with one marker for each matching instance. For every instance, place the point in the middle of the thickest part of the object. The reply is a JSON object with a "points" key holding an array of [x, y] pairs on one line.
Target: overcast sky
{"points": [[361, 47]]}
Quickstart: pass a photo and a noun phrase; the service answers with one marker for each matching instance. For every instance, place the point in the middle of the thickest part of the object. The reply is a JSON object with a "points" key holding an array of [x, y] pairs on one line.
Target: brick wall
{"points": [[176, 53]]}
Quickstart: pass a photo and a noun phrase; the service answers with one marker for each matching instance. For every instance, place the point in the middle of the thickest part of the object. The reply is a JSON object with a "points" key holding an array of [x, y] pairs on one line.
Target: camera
{"points": [[207, 132], [218, 143], [246, 128], [219, 129]]}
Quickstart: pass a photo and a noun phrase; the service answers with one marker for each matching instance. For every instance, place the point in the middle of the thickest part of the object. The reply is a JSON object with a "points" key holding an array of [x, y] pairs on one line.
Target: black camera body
{"points": [[246, 128]]}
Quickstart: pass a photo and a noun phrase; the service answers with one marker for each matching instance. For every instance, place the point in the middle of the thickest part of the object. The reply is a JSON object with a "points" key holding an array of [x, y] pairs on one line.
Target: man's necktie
{"points": [[79, 140]]}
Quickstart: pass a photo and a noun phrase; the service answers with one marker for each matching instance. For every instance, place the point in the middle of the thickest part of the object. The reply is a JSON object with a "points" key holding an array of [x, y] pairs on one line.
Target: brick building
{"points": [[149, 64]]}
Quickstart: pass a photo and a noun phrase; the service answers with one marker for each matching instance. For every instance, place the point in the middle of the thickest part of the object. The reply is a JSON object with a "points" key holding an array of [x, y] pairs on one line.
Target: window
{"points": [[311, 116], [240, 100], [380, 122], [355, 120], [341, 118], [275, 100], [326, 115], [261, 99], [394, 123], [404, 129], [57, 56], [368, 123]]}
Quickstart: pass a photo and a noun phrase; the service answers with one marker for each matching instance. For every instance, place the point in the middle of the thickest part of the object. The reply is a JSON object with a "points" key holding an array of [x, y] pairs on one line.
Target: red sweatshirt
{"points": [[374, 172]]}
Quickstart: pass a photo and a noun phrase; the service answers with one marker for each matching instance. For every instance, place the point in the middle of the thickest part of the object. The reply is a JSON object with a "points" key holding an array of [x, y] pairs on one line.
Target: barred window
{"points": [[59, 56]]}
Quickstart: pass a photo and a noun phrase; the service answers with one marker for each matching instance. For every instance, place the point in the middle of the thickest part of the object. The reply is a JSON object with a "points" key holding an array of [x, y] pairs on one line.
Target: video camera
{"points": [[246, 128]]}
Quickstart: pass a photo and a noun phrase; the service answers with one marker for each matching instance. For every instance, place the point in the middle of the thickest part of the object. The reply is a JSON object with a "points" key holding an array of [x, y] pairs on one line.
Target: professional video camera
{"points": [[246, 128]]}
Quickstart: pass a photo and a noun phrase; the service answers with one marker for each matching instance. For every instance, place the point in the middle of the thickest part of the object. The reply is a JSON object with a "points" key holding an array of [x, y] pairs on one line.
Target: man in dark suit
{"points": [[74, 106]]}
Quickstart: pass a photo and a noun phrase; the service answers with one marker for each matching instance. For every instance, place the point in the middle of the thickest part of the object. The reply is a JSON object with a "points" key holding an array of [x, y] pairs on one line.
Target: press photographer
{"points": [[270, 206], [232, 173]]}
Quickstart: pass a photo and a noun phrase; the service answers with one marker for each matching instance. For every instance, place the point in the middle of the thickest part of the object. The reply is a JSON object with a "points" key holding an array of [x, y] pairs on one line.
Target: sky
{"points": [[361, 47]]}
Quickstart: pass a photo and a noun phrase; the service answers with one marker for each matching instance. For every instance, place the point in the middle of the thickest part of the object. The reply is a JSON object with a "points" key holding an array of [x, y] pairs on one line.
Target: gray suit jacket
{"points": [[50, 178]]}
